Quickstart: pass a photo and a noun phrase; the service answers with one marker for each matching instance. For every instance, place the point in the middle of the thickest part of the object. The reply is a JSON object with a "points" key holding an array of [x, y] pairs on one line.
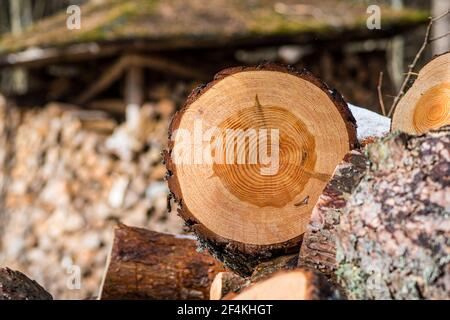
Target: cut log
{"points": [[318, 250], [245, 205], [14, 285], [426, 105], [149, 265], [299, 284], [226, 283], [393, 239]]}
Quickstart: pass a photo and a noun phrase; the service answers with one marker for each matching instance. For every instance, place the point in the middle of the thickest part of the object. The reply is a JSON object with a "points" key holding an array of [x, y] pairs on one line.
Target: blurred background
{"points": [[87, 89]]}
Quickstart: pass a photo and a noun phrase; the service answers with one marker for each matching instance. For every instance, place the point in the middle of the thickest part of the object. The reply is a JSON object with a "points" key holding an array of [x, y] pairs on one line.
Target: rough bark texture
{"points": [[393, 239], [311, 285], [150, 265], [14, 285], [265, 269], [318, 250], [242, 258]]}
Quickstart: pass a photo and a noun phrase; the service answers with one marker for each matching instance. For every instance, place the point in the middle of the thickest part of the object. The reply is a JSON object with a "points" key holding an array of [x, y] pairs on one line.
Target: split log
{"points": [[299, 284], [393, 239], [226, 283], [318, 250], [14, 285], [426, 105], [149, 265], [245, 206]]}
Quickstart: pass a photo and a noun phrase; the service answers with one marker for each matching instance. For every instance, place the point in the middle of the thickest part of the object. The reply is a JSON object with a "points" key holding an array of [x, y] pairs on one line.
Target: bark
{"points": [[265, 269], [318, 250], [149, 265], [393, 238], [14, 285]]}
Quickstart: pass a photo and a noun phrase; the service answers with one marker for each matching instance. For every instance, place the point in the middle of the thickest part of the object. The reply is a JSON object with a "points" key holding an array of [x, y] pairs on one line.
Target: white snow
{"points": [[370, 124]]}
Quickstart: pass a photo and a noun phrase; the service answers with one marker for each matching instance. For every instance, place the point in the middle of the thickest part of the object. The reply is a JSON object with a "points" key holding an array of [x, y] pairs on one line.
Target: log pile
{"points": [[68, 175], [337, 221]]}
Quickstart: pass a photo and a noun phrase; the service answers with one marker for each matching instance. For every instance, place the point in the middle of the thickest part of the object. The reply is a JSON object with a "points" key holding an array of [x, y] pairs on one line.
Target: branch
{"points": [[380, 96]]}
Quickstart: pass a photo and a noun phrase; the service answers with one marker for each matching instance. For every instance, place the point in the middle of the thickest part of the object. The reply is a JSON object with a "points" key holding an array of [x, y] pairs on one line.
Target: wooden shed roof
{"points": [[180, 24]]}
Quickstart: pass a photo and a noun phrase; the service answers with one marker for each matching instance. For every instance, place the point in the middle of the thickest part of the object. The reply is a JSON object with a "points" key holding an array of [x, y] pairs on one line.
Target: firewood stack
{"points": [[334, 220]]}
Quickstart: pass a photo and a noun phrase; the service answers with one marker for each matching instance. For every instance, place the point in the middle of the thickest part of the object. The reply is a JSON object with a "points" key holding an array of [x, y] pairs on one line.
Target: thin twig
{"points": [[380, 95], [413, 64], [440, 16], [439, 37]]}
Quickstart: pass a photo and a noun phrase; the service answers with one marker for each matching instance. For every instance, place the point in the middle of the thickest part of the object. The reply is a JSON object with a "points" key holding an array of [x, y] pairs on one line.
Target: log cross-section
{"points": [[248, 156], [426, 105]]}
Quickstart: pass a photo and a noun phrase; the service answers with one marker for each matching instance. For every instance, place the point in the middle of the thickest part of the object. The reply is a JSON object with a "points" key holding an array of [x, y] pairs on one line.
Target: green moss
{"points": [[115, 20], [354, 280]]}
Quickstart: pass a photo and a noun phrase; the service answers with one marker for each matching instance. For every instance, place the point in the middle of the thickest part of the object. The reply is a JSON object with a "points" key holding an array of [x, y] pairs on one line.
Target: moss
{"points": [[353, 279], [273, 23], [115, 20]]}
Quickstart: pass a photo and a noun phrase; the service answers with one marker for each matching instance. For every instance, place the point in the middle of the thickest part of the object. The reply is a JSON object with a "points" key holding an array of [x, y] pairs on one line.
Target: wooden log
{"points": [[14, 285], [245, 206], [299, 284], [226, 283], [426, 105], [318, 249], [149, 265], [393, 239]]}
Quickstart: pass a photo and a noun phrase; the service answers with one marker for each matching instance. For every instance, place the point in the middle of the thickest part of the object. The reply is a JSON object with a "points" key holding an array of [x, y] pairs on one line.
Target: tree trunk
{"points": [[426, 104], [318, 250], [14, 285], [440, 27], [149, 265], [245, 205], [392, 241], [299, 284]]}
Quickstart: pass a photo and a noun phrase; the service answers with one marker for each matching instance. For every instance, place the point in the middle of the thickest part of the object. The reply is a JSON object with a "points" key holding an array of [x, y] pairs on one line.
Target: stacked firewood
{"points": [[67, 176], [347, 216]]}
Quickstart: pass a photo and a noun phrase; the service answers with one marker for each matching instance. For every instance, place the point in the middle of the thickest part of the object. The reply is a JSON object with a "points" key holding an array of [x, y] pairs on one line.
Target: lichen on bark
{"points": [[394, 238]]}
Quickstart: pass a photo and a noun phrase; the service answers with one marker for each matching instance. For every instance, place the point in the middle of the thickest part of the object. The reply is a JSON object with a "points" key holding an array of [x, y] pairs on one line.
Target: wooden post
{"points": [[134, 96]]}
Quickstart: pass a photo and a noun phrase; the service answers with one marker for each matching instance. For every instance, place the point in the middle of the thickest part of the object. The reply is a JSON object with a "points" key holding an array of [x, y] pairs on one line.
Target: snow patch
{"points": [[370, 124]]}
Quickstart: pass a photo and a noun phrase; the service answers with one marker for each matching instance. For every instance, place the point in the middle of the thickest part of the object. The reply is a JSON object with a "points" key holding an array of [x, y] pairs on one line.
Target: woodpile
{"points": [[342, 215], [68, 175]]}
